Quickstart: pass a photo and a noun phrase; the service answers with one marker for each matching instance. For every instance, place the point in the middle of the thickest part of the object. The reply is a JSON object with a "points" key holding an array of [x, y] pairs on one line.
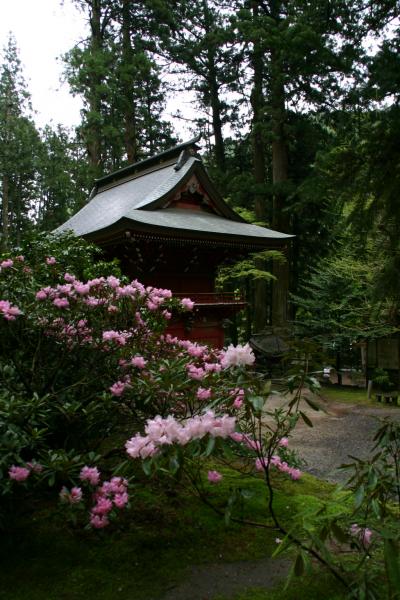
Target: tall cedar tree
{"points": [[115, 74], [298, 53], [197, 38], [19, 142]]}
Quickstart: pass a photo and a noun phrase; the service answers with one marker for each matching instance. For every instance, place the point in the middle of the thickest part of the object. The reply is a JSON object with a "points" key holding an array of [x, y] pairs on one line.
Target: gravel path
{"points": [[343, 430], [204, 582]]}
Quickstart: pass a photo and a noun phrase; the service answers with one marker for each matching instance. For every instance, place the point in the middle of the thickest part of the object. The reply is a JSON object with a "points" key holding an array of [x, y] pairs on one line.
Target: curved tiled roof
{"points": [[138, 196], [199, 221]]}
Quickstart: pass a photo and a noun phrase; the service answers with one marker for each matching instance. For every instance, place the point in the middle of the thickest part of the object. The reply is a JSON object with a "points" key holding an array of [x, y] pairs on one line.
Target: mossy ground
{"points": [[351, 395], [151, 547]]}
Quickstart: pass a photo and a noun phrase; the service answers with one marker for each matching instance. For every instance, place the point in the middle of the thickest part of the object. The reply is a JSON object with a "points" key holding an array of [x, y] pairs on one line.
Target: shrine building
{"points": [[169, 227]]}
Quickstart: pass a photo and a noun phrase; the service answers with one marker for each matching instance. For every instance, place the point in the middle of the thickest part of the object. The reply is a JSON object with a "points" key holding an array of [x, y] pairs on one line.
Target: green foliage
{"points": [[249, 268]]}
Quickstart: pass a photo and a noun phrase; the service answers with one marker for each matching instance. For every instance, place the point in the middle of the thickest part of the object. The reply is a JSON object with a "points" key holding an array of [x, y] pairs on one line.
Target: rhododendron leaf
{"points": [[306, 419], [376, 508], [257, 402], [299, 565], [174, 464], [359, 496], [339, 533], [227, 450], [210, 446], [312, 403], [146, 466], [267, 388], [392, 565]]}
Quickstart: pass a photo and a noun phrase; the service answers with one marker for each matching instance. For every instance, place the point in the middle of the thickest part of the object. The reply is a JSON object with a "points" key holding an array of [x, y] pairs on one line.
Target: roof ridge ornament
{"points": [[182, 159]]}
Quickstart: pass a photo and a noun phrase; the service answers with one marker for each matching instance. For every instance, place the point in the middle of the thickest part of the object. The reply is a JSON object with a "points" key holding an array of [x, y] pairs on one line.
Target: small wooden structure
{"points": [[170, 228], [384, 353]]}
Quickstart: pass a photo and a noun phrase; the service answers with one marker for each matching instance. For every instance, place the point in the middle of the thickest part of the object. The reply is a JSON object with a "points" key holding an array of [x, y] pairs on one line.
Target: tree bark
{"points": [[258, 148], [93, 143], [130, 133], [5, 212], [213, 89], [280, 175], [216, 116]]}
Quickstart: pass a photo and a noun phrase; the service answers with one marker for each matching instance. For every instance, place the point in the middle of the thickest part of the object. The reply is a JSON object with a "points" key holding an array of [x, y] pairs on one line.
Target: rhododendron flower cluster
{"points": [[281, 465], [203, 393], [107, 496], [19, 473], [6, 264], [237, 356], [90, 474], [9, 311], [160, 432], [187, 303], [22, 473], [71, 497]]}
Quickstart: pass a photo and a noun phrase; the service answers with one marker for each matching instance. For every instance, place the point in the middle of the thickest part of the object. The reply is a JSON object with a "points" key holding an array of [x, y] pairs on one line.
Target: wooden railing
{"points": [[212, 297]]}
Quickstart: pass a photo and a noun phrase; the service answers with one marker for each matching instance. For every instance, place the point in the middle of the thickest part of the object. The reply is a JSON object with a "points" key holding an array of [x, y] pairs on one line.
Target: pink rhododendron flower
{"points": [[262, 463], [238, 402], [236, 436], [118, 388], [139, 362], [187, 303], [121, 500], [6, 264], [50, 260], [237, 356], [363, 534], [99, 521], [203, 394], [120, 337], [41, 295], [166, 431], [283, 442], [82, 288], [20, 258], [212, 367], [214, 476], [9, 311], [113, 281], [195, 372], [61, 302], [18, 473], [72, 497], [90, 474], [102, 507]]}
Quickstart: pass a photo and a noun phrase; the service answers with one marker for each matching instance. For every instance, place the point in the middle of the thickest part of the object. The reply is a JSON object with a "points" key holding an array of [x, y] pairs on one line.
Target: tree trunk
{"points": [[5, 212], [280, 175], [130, 133], [257, 103], [213, 89], [94, 99], [216, 120]]}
